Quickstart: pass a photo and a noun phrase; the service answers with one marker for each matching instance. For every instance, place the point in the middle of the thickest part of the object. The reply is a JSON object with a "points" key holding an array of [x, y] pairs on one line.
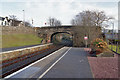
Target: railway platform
{"points": [[67, 62]]}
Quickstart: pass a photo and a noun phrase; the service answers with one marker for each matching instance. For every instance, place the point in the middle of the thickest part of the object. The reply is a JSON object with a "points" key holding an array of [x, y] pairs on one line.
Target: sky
{"points": [[63, 10]]}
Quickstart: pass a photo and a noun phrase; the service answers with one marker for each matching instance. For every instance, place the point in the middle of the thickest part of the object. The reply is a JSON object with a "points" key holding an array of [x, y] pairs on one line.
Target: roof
{"points": [[2, 18]]}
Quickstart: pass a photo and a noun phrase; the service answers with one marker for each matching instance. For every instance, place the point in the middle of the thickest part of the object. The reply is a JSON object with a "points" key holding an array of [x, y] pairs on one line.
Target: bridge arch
{"points": [[51, 37]]}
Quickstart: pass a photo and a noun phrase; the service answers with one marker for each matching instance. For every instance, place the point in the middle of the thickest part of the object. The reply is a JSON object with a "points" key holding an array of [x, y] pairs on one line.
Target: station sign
{"points": [[85, 38]]}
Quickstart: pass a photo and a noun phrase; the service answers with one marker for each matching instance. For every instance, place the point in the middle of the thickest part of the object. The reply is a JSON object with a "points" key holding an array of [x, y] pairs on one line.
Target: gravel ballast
{"points": [[104, 67]]}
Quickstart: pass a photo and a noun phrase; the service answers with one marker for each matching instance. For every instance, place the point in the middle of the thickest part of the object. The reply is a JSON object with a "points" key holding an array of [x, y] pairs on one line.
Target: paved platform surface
{"points": [[37, 68], [14, 48], [73, 63]]}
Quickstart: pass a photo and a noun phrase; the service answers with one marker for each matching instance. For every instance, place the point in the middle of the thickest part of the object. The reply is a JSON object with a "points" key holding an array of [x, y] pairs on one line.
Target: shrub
{"points": [[99, 44]]}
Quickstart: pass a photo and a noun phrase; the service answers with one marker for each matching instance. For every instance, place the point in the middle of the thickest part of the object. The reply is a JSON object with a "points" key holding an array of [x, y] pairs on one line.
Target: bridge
{"points": [[49, 34]]}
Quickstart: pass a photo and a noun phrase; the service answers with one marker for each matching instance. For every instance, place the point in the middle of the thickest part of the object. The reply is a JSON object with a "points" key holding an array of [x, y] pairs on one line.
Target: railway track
{"points": [[8, 67]]}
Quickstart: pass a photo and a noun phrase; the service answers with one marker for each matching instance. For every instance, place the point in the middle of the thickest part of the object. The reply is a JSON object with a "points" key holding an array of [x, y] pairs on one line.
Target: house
{"points": [[5, 21], [15, 22], [1, 20], [111, 34]]}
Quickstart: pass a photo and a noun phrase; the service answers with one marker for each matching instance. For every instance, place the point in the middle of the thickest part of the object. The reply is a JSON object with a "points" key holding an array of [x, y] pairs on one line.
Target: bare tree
{"points": [[54, 22], [90, 18], [27, 23], [13, 18], [57, 23], [73, 22], [51, 21], [81, 31], [89, 23]]}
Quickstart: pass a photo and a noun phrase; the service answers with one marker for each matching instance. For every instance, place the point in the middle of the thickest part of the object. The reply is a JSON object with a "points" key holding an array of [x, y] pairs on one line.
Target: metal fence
{"points": [[113, 41], [115, 47]]}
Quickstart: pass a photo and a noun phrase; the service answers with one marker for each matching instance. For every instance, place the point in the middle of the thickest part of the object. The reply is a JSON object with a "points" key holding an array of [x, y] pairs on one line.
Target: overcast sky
{"points": [[63, 10]]}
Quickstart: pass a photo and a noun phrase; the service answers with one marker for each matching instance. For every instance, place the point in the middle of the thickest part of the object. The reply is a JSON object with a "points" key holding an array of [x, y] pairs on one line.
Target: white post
{"points": [[24, 17], [85, 38], [86, 43], [32, 22], [113, 31]]}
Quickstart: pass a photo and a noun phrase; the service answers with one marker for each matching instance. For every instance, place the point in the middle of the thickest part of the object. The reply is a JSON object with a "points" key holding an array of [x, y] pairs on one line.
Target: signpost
{"points": [[48, 41], [45, 23], [85, 38]]}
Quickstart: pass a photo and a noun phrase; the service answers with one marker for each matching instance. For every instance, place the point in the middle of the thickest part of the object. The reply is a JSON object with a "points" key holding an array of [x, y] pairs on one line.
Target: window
{"points": [[5, 22], [2, 23]]}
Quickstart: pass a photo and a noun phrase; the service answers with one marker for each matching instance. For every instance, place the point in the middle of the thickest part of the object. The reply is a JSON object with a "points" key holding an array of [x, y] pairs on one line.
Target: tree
{"points": [[27, 23], [89, 23], [57, 23], [54, 22], [14, 18], [81, 31], [90, 18]]}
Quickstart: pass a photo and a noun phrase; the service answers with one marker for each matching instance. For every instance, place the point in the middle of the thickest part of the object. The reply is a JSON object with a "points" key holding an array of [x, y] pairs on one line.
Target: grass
{"points": [[15, 40], [114, 47]]}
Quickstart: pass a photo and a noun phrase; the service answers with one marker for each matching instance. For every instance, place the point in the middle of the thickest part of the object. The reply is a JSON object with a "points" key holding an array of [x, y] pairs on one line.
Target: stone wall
{"points": [[16, 30], [46, 32], [19, 52], [78, 33]]}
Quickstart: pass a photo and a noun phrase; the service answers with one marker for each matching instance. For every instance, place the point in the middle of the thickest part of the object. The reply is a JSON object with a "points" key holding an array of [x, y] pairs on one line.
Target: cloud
{"points": [[59, 0], [64, 10]]}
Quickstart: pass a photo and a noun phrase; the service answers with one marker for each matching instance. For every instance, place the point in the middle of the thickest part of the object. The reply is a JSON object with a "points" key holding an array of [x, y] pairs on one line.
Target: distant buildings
{"points": [[5, 21], [110, 34]]}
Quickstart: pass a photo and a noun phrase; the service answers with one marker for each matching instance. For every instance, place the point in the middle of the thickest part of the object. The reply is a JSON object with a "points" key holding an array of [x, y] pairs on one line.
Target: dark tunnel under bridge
{"points": [[62, 38]]}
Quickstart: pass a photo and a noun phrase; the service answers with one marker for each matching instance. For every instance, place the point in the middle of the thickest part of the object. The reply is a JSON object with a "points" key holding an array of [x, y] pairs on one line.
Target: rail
{"points": [[8, 67]]}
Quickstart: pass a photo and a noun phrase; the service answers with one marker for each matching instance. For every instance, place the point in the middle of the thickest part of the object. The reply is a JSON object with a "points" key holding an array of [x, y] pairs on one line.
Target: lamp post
{"points": [[32, 22], [112, 30], [24, 17], [112, 34]]}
